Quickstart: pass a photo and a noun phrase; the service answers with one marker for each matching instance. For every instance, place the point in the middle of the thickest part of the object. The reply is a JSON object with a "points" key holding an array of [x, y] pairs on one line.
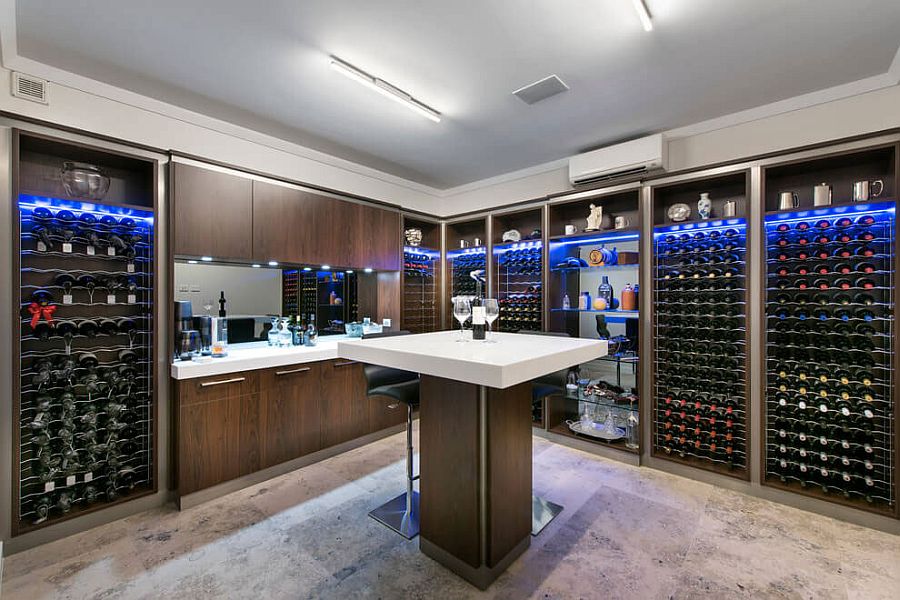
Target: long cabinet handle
{"points": [[224, 381], [345, 364], [292, 371]]}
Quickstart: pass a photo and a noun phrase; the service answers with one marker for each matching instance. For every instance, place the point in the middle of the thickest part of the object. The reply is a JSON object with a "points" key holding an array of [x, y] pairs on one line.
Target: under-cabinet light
{"points": [[307, 269], [326, 267], [273, 263], [367, 270], [384, 88], [192, 262], [206, 258], [256, 265]]}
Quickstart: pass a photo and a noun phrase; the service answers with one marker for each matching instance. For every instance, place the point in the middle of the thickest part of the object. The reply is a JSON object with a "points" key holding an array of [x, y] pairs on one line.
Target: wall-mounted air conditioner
{"points": [[637, 157]]}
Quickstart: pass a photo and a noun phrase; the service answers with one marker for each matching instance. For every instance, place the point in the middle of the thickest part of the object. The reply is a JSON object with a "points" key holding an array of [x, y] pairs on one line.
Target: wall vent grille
{"points": [[30, 88]]}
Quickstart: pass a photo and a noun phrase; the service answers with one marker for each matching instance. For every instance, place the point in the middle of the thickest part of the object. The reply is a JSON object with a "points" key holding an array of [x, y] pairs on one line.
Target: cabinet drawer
{"points": [[207, 389]]}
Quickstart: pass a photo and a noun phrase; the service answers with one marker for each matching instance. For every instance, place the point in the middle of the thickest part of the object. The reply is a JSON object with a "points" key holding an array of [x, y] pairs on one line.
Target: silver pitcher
{"points": [[788, 200], [862, 190]]}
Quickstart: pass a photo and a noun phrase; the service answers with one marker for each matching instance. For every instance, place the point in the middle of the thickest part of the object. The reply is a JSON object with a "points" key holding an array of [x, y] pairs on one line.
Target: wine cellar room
{"points": [[535, 327]]}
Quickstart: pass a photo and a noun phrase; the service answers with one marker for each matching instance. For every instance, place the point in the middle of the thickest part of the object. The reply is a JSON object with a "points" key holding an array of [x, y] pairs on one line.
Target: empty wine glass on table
{"points": [[208, 304], [491, 312], [462, 310]]}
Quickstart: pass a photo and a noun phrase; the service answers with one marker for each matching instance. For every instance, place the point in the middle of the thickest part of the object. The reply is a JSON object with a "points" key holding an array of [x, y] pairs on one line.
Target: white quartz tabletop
{"points": [[514, 358], [256, 355]]}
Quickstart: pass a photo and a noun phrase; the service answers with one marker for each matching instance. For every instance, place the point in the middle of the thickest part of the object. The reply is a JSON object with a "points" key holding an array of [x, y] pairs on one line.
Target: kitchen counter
{"points": [[256, 355], [513, 359]]}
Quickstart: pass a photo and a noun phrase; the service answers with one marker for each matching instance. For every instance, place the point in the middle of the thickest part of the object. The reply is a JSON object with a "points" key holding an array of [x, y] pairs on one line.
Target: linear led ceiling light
{"points": [[385, 89], [643, 14]]}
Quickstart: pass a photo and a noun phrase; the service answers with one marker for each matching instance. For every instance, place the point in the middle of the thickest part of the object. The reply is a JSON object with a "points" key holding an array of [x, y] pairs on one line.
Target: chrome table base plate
{"points": [[542, 512], [393, 515]]}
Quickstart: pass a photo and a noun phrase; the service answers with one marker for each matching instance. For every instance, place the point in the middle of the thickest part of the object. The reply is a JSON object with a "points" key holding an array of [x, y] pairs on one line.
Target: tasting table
{"points": [[475, 501]]}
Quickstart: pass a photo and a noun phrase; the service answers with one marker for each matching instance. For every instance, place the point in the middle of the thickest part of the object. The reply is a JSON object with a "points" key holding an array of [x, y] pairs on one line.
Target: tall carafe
{"points": [[605, 291]]}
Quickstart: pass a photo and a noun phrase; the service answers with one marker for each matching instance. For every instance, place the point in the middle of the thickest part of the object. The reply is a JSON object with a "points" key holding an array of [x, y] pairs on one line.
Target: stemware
{"points": [[462, 310], [491, 312]]}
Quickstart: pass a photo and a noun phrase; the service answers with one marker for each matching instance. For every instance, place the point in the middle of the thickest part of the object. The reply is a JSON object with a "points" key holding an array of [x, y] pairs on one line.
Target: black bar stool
{"points": [[401, 513]]}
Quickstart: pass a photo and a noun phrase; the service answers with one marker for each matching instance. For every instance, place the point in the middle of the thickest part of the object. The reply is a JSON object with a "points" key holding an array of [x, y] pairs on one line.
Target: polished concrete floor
{"points": [[625, 533]]}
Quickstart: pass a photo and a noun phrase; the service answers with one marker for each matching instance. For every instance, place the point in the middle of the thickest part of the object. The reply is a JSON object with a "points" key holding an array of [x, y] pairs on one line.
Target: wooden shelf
{"points": [[830, 207], [594, 236]]}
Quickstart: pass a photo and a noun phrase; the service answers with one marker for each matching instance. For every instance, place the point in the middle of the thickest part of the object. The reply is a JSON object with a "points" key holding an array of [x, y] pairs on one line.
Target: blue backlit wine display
{"points": [[519, 286], [462, 263], [700, 377], [829, 319], [420, 314], [86, 379]]}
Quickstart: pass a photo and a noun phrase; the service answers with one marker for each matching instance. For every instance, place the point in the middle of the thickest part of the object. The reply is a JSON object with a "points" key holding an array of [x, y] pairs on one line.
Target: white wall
{"points": [[857, 115], [171, 128], [249, 291]]}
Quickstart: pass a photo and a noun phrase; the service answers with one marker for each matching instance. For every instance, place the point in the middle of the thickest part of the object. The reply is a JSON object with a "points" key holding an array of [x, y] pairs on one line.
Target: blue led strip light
{"points": [[29, 203], [598, 239]]}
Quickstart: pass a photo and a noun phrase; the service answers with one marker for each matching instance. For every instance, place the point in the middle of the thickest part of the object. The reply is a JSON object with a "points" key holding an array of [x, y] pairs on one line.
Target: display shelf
{"points": [[700, 359], [625, 314], [519, 285], [562, 409], [829, 402], [598, 268], [420, 308]]}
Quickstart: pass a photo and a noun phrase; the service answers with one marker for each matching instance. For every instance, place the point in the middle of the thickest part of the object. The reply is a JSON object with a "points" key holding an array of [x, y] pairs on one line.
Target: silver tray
{"points": [[596, 430]]}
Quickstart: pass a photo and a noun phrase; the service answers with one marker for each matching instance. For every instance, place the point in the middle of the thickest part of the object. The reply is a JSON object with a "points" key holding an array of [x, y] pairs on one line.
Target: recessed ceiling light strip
{"points": [[384, 88], [643, 14]]}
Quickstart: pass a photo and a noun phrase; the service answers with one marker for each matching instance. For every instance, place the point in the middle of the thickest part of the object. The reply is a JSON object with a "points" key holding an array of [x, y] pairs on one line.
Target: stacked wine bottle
{"points": [[701, 388], [829, 351], [86, 387], [463, 264], [290, 292], [419, 291], [519, 291]]}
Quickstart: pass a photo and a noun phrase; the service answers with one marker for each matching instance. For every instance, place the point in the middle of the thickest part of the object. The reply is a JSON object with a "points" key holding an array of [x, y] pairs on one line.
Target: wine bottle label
{"points": [[42, 247], [110, 298], [49, 487], [67, 247], [88, 477], [132, 299], [70, 480], [110, 251], [67, 299], [90, 251], [130, 267], [478, 314]]}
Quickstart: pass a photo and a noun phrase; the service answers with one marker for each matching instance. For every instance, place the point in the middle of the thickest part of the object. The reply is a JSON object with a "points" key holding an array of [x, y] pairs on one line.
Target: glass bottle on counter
{"points": [[272, 336], [285, 337], [296, 331], [220, 346], [312, 336]]}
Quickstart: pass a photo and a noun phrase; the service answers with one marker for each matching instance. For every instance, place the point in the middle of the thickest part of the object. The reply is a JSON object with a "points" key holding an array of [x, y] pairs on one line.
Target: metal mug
{"points": [[862, 190], [729, 209], [463, 243], [621, 222], [570, 229], [788, 200], [822, 195], [476, 242]]}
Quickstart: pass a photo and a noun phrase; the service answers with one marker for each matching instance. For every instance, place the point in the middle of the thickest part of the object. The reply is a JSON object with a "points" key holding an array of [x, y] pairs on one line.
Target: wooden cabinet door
{"points": [[287, 224], [288, 413], [212, 213], [376, 238], [215, 430], [385, 412], [343, 409]]}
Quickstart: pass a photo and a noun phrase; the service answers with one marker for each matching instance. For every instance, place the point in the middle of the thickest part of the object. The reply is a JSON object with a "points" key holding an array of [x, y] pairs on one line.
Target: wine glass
{"points": [[207, 305], [491, 312], [462, 309]]}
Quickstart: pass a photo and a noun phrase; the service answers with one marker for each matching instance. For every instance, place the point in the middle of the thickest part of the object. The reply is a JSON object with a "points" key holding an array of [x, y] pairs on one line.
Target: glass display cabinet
{"points": [[518, 255], [593, 282], [420, 311]]}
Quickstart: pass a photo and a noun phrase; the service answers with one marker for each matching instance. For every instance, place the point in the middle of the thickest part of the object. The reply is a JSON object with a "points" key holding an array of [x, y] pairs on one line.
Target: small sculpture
{"points": [[413, 236], [595, 219], [704, 206]]}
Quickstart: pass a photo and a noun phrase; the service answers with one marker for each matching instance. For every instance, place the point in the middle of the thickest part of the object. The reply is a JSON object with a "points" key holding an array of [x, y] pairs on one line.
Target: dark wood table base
{"points": [[475, 476]]}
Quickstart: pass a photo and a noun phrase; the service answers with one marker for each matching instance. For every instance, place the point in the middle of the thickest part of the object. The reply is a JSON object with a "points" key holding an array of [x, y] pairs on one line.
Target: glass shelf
{"points": [[597, 268], [625, 314]]}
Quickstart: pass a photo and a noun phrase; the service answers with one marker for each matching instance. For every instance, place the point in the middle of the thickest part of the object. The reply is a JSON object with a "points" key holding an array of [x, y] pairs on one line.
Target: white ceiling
{"points": [[264, 65]]}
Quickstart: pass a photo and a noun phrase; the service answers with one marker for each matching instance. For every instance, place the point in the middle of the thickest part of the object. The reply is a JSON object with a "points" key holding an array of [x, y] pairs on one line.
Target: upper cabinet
{"points": [[231, 217], [213, 213], [295, 226]]}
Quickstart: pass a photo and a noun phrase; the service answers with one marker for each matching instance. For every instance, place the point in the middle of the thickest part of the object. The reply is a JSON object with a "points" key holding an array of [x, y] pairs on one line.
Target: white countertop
{"points": [[516, 357], [256, 355]]}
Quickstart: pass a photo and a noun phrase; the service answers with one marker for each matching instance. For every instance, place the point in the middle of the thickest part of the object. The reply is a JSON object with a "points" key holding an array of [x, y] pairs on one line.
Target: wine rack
{"points": [[420, 314], [290, 292], [462, 264], [700, 383], [519, 286], [85, 433], [829, 353]]}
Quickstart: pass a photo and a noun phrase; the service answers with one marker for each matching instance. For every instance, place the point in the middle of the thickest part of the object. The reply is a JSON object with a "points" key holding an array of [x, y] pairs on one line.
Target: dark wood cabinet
{"points": [[385, 412], [296, 226], [212, 213], [375, 241], [344, 405], [217, 419], [289, 413], [235, 424]]}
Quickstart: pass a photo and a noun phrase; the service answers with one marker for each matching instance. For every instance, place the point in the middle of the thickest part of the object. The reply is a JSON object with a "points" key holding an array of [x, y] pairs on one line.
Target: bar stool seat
{"points": [[402, 512]]}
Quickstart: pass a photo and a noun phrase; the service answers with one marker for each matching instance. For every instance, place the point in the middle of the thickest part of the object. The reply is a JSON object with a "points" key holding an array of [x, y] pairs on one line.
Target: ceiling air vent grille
{"points": [[30, 88]]}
